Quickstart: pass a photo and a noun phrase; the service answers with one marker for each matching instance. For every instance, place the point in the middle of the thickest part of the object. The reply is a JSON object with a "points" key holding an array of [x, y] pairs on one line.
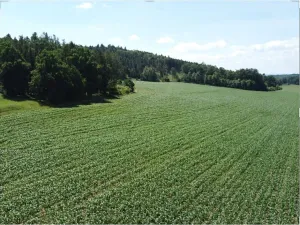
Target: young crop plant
{"points": [[170, 153]]}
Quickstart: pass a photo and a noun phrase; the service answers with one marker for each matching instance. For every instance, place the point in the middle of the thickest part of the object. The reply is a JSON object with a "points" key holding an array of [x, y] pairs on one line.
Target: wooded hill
{"points": [[288, 78], [46, 68]]}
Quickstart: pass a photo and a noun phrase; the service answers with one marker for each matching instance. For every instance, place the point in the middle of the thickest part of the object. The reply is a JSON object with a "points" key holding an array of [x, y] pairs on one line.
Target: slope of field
{"points": [[170, 153]]}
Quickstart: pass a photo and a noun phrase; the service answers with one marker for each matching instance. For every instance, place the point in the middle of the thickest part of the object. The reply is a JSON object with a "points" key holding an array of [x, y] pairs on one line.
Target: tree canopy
{"points": [[48, 69], [288, 79], [44, 68]]}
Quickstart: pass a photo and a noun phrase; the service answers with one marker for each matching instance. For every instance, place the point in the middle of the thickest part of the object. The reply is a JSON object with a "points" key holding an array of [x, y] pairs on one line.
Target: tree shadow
{"points": [[17, 98], [95, 99], [112, 97]]}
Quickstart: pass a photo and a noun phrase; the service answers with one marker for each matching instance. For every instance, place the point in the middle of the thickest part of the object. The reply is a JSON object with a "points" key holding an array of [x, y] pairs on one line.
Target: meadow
{"points": [[169, 153]]}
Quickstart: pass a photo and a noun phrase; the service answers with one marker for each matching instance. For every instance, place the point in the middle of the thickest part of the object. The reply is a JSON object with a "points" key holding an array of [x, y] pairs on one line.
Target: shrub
{"points": [[129, 83], [149, 74], [274, 88], [122, 90], [165, 79]]}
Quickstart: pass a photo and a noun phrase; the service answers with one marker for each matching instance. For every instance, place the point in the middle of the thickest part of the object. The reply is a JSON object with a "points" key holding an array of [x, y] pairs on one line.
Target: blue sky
{"points": [[232, 34]]}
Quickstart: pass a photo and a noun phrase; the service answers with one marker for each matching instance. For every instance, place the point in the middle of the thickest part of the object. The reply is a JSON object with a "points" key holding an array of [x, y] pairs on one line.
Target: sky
{"points": [[259, 34]]}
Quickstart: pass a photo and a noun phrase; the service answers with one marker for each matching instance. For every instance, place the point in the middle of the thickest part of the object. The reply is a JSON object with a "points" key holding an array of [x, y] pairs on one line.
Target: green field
{"points": [[170, 153], [7, 106]]}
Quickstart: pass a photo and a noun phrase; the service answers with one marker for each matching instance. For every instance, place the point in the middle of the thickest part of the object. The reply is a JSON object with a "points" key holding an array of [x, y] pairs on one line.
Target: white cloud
{"points": [[274, 45], [193, 46], [277, 45], [165, 40], [85, 5], [134, 37], [272, 57]]}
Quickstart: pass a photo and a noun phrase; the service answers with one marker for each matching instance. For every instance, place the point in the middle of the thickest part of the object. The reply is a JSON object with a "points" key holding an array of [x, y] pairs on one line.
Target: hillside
{"points": [[288, 78], [47, 70], [285, 75], [169, 153]]}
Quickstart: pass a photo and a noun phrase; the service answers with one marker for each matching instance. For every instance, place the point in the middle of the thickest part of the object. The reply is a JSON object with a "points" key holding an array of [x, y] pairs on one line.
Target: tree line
{"points": [[288, 79], [45, 68], [152, 67]]}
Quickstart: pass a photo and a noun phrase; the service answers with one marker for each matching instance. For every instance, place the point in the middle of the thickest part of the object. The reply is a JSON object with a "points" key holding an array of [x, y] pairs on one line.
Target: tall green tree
{"points": [[14, 77], [149, 74], [55, 81]]}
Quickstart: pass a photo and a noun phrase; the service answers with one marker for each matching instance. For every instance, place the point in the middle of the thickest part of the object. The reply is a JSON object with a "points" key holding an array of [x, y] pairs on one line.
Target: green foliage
{"points": [[14, 71], [129, 83], [271, 81], [122, 90], [54, 80], [165, 79], [175, 77], [8, 52], [149, 74], [59, 73], [249, 79], [173, 72], [14, 77], [276, 88], [100, 67], [287, 79], [171, 153]]}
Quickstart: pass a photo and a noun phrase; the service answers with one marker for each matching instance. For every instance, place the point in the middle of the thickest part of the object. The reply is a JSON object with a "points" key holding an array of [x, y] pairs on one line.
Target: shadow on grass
{"points": [[87, 101], [17, 98]]}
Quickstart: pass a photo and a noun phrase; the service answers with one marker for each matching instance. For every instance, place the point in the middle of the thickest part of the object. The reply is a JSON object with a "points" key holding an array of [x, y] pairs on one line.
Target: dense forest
{"points": [[45, 68], [152, 67], [288, 79]]}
